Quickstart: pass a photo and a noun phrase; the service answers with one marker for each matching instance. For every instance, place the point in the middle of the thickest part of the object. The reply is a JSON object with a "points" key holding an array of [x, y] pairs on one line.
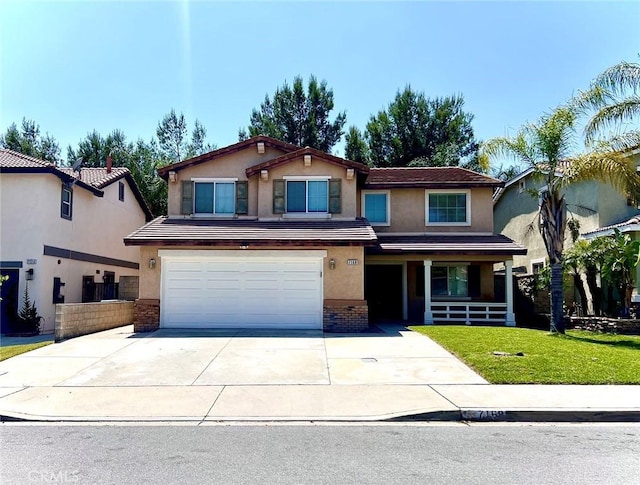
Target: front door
{"points": [[383, 291], [10, 299]]}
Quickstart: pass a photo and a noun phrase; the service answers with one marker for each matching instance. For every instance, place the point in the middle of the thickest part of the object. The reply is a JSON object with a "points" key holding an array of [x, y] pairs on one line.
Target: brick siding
{"points": [[147, 315], [345, 316]]}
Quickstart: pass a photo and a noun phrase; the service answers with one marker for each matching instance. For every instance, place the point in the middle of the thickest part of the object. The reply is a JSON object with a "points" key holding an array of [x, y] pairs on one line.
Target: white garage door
{"points": [[244, 289]]}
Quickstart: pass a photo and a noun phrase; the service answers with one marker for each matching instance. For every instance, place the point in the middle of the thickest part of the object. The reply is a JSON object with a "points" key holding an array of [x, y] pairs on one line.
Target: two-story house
{"points": [[61, 233], [266, 234]]}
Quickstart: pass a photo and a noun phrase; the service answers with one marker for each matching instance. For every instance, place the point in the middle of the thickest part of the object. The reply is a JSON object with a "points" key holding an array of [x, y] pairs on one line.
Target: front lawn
{"points": [[13, 350], [575, 358]]}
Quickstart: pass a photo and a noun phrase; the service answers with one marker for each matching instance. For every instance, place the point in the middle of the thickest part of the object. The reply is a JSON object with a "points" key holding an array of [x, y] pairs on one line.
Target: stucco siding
{"points": [[408, 212], [318, 168], [30, 210], [233, 165]]}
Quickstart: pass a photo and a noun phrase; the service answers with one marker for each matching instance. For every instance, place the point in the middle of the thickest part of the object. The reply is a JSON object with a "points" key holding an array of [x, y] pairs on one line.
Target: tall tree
{"points": [[28, 140], [143, 161], [547, 147], [94, 149], [417, 131], [297, 117], [356, 147], [174, 141], [612, 101]]}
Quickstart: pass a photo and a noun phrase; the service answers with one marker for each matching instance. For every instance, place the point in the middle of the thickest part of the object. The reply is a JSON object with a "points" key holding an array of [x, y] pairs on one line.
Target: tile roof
{"points": [[91, 179], [428, 177], [307, 151], [11, 159], [206, 232], [460, 244], [632, 224], [96, 177]]}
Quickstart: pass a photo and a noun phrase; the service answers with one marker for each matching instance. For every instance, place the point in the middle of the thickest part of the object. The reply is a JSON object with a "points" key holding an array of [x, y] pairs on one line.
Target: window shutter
{"points": [[335, 196], [278, 196], [242, 197], [187, 197]]}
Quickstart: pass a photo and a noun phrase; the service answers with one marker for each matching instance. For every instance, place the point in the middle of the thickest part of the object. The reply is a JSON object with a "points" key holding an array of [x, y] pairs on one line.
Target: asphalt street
{"points": [[320, 454]]}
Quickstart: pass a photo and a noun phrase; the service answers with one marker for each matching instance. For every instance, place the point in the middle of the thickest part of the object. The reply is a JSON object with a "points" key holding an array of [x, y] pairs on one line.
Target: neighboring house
{"points": [[270, 235], [630, 226], [595, 206], [61, 233]]}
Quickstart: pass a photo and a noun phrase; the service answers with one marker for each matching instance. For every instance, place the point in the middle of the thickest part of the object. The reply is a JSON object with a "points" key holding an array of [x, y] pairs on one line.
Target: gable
{"points": [[263, 146]]}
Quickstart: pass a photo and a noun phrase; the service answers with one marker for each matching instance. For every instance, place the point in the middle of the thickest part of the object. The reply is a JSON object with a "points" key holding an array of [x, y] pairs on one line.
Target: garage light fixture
{"points": [[332, 263], [152, 263], [173, 176]]}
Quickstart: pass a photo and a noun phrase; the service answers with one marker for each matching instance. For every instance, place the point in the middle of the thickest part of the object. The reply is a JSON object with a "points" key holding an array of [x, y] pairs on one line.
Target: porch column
{"points": [[510, 320], [428, 313]]}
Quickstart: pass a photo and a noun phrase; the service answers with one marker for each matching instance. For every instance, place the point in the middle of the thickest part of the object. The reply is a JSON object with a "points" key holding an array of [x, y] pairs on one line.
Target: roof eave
{"points": [[172, 242], [212, 155], [54, 171]]}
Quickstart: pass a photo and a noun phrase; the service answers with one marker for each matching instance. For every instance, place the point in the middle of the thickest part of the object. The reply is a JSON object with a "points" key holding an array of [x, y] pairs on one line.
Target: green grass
{"points": [[13, 350], [575, 358]]}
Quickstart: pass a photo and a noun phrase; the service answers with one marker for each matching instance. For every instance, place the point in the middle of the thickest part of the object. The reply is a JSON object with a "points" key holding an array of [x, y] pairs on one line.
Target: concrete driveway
{"points": [[238, 357], [215, 375]]}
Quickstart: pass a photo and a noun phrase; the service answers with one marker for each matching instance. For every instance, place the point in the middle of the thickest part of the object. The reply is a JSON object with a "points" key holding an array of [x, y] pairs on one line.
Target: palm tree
{"points": [[547, 147], [612, 101]]}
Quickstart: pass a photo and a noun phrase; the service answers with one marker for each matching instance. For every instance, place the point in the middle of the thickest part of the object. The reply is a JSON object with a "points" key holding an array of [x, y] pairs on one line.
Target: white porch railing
{"points": [[468, 312]]}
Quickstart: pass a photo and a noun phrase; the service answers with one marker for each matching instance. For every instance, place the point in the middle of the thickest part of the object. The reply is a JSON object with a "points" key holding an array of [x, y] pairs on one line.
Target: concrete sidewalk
{"points": [[252, 376]]}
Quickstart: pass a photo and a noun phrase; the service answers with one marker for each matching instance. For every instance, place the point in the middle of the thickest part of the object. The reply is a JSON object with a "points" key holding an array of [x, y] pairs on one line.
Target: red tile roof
{"points": [[206, 232], [97, 177], [11, 159], [327, 157], [459, 244], [455, 177]]}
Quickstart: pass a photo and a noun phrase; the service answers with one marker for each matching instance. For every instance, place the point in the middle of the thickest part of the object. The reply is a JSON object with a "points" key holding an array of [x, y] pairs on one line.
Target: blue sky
{"points": [[78, 66]]}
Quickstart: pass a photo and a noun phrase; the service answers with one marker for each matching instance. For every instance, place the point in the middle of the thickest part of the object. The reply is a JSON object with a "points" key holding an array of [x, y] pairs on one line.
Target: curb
{"points": [[463, 415]]}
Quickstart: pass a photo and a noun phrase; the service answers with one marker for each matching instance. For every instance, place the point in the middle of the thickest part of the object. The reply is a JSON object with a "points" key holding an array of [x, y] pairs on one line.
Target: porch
{"points": [[434, 281]]}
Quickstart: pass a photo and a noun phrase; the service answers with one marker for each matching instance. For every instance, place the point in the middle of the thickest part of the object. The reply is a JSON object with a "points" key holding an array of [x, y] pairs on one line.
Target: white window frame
{"points": [[539, 261], [303, 178], [208, 180], [522, 185], [363, 206], [448, 295], [467, 192]]}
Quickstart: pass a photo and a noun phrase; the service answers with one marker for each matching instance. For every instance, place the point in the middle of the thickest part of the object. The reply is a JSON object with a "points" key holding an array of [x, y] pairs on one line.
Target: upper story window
{"points": [[66, 202], [214, 197], [121, 191], [302, 196], [307, 196], [375, 207], [448, 207]]}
